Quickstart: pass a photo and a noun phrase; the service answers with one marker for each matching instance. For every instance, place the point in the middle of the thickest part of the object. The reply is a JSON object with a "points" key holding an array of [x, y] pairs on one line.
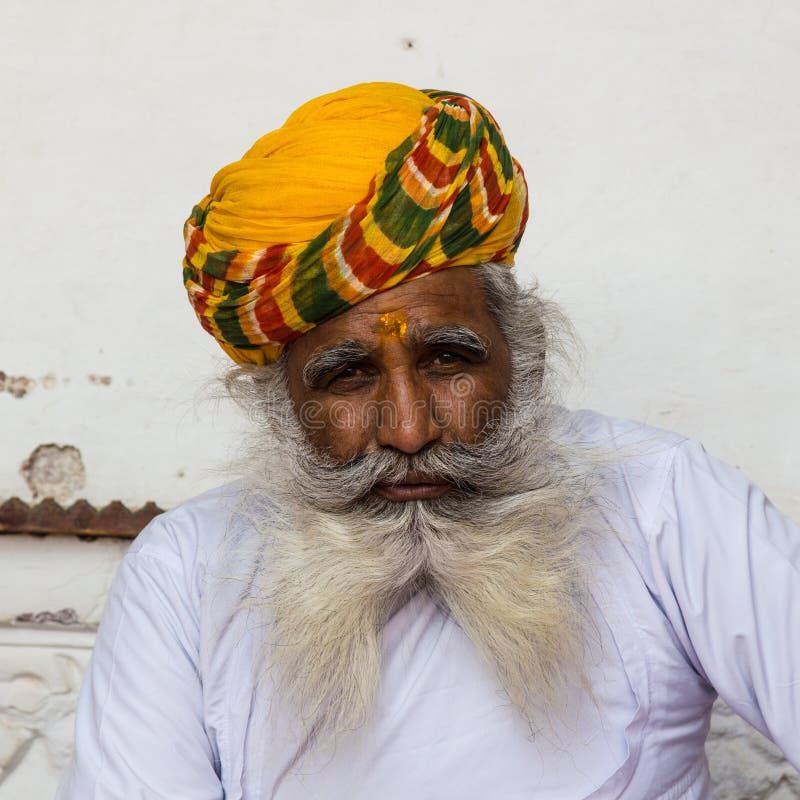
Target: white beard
{"points": [[501, 551]]}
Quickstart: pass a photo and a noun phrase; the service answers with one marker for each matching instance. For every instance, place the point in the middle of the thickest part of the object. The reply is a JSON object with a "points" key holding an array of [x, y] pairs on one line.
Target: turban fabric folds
{"points": [[359, 190]]}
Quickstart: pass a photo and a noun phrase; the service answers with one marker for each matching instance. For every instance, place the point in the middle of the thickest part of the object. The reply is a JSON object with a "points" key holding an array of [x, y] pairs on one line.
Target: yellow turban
{"points": [[358, 190]]}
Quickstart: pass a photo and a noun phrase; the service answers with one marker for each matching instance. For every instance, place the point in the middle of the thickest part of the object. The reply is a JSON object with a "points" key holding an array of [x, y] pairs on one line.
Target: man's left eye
{"points": [[446, 358]]}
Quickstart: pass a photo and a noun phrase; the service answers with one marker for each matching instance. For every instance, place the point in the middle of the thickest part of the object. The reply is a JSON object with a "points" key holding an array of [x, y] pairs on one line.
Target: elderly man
{"points": [[431, 580]]}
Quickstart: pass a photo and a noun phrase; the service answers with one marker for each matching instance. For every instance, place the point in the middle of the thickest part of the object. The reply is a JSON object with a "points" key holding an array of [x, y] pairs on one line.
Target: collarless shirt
{"points": [[696, 593]]}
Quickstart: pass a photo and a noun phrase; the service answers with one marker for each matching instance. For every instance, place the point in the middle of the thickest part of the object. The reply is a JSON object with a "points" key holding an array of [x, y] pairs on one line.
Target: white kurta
{"points": [[699, 594]]}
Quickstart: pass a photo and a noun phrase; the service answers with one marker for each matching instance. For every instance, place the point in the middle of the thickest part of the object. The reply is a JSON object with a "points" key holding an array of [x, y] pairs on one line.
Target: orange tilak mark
{"points": [[393, 323]]}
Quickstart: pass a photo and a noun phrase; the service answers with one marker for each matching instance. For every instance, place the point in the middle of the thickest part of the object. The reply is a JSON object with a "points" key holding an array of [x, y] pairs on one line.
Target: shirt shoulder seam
{"points": [[665, 478]]}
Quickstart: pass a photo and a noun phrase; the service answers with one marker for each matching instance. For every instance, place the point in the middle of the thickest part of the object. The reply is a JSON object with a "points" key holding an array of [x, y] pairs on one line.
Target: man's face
{"points": [[375, 506], [418, 364]]}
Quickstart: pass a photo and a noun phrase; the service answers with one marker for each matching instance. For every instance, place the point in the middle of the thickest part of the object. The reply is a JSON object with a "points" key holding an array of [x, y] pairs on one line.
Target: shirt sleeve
{"points": [[726, 567], [139, 729]]}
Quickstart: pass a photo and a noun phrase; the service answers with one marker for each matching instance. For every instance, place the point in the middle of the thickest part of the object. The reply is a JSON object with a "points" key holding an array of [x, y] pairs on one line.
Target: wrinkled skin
{"points": [[435, 392]]}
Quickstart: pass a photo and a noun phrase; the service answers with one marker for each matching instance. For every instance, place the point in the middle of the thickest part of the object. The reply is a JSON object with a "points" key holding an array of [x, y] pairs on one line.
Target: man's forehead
{"points": [[450, 296]]}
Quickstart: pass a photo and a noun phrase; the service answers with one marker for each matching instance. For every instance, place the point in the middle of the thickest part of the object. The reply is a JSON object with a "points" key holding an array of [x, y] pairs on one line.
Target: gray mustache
{"points": [[451, 463], [481, 466]]}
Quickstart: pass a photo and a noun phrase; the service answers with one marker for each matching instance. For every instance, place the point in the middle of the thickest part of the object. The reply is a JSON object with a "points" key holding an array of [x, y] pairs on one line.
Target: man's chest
{"points": [[443, 728]]}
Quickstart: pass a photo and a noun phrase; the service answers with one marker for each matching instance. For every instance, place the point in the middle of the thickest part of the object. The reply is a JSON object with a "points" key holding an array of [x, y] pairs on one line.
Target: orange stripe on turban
{"points": [[359, 190]]}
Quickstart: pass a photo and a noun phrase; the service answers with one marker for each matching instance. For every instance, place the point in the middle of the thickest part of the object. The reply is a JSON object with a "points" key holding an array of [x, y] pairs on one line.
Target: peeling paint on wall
{"points": [[16, 385], [66, 616], [55, 471]]}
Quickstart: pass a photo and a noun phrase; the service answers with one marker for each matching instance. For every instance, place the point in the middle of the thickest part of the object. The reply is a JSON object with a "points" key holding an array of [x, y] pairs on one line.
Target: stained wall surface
{"points": [[661, 142]]}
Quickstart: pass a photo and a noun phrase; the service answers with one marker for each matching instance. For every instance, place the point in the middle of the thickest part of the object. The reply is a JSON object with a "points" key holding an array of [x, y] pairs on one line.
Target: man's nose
{"points": [[408, 419]]}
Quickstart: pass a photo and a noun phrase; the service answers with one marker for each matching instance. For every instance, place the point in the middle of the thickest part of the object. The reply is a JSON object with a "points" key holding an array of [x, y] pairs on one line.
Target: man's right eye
{"points": [[347, 378], [347, 372]]}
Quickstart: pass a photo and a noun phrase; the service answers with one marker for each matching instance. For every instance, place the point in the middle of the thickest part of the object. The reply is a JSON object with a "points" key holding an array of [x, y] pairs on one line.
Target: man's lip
{"points": [[414, 487]]}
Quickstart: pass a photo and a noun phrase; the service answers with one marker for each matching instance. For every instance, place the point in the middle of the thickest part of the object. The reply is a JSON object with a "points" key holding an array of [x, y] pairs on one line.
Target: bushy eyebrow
{"points": [[458, 336], [341, 354], [351, 351]]}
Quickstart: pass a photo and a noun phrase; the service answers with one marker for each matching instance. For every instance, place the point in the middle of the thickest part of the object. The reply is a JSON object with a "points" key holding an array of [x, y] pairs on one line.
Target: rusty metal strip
{"points": [[80, 519]]}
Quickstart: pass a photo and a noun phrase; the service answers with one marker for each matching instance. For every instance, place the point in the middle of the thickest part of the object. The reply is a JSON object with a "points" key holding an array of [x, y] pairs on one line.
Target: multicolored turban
{"points": [[357, 191]]}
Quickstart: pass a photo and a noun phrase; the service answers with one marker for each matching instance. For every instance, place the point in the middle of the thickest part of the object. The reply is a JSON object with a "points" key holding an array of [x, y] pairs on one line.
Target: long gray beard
{"points": [[501, 552]]}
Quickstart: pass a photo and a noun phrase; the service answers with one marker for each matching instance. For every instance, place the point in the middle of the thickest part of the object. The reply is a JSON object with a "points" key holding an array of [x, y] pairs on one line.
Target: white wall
{"points": [[661, 142], [661, 146]]}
